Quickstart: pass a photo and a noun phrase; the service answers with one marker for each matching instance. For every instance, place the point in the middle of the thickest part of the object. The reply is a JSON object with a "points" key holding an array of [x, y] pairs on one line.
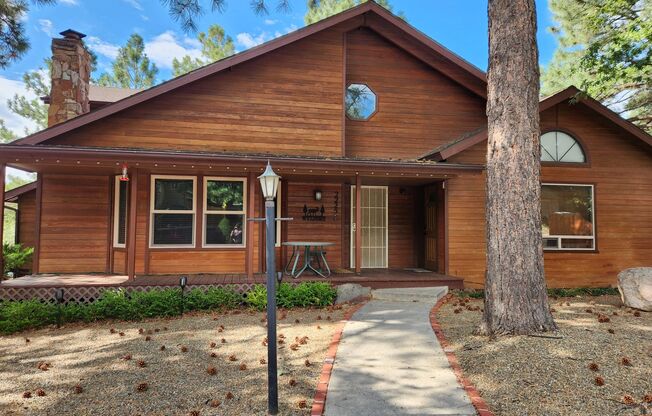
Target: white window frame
{"points": [[243, 212], [153, 211], [279, 202], [116, 212], [574, 237]]}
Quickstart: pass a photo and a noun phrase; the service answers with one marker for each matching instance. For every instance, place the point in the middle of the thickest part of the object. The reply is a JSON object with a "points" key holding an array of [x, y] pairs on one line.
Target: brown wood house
{"points": [[361, 100]]}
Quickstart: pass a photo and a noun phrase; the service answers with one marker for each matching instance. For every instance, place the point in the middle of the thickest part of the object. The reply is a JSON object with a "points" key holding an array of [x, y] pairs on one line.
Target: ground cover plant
{"points": [[136, 305]]}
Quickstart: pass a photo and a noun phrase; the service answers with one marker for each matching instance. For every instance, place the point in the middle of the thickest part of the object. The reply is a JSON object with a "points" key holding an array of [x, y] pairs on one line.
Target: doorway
{"points": [[374, 226]]}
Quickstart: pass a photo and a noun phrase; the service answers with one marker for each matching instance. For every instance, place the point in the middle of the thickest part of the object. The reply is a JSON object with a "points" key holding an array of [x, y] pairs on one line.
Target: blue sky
{"points": [[460, 25]]}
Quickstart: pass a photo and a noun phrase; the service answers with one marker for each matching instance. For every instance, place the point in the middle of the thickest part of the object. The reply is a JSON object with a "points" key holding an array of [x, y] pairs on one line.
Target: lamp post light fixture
{"points": [[58, 295], [269, 181], [183, 281]]}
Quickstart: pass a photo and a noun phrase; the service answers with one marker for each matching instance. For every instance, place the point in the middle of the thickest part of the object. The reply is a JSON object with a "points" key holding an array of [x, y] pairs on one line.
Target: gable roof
{"points": [[368, 14], [13, 194], [474, 137]]}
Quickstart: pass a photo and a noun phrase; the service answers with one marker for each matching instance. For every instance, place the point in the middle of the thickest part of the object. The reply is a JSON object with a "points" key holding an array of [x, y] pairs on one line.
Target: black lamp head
{"points": [[183, 281], [59, 295]]}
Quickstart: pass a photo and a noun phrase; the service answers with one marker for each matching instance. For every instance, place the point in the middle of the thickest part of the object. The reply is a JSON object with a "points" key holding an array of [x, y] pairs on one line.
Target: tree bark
{"points": [[516, 301]]}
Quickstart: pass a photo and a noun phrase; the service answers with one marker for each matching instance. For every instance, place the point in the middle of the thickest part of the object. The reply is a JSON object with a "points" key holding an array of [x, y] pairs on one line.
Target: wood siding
{"points": [[401, 230], [620, 168], [330, 230], [74, 224], [26, 222], [289, 100], [417, 106]]}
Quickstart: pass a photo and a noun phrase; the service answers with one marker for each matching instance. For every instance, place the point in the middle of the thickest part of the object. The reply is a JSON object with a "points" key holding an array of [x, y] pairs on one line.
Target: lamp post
{"points": [[269, 181], [183, 281]]}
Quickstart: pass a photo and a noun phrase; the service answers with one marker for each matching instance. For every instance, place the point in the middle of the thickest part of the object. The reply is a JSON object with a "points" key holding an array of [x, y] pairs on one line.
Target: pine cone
{"points": [[211, 370], [142, 387]]}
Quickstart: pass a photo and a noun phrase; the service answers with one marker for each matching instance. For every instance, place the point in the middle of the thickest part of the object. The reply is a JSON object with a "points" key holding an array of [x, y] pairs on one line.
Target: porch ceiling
{"points": [[104, 161]]}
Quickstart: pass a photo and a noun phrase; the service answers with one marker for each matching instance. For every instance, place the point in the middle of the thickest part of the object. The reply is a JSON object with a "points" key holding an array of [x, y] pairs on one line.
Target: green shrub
{"points": [[304, 294], [582, 291], [15, 256], [17, 316], [136, 305]]}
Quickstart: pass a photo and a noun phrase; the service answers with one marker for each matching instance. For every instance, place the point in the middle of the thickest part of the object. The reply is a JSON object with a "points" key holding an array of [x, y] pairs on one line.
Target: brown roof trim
{"points": [[571, 93], [12, 195], [52, 154], [247, 55]]}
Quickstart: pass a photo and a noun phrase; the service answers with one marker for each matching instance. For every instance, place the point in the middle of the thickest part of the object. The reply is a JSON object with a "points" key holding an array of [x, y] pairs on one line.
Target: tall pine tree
{"points": [[605, 50], [132, 68], [215, 45], [321, 9]]}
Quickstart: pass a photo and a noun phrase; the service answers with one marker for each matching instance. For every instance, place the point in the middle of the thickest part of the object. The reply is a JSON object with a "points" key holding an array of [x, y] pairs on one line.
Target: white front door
{"points": [[374, 226]]}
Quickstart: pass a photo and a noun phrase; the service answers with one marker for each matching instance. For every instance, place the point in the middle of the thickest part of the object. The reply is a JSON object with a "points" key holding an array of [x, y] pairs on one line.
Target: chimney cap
{"points": [[72, 34]]}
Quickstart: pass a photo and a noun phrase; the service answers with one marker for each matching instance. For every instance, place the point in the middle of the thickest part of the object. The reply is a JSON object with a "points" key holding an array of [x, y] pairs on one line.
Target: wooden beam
{"points": [[148, 218], [249, 226], [199, 216], [358, 224], [131, 225], [37, 223], [2, 216], [110, 236]]}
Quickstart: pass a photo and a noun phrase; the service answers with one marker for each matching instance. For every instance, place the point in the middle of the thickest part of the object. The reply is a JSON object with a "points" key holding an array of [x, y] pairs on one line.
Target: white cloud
{"points": [[163, 48], [271, 22], [46, 26], [247, 40], [101, 47], [16, 123], [135, 4], [144, 17], [70, 2]]}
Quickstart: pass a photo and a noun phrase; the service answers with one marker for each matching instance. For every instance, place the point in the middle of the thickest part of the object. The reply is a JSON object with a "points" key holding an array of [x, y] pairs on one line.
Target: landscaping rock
{"points": [[635, 287], [351, 291]]}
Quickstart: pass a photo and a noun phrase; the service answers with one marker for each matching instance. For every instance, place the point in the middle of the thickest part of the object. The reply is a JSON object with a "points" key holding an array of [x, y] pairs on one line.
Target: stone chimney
{"points": [[71, 68]]}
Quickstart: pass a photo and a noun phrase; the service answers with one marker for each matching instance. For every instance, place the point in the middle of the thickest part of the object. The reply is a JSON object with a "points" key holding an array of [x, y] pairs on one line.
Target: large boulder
{"points": [[635, 287], [351, 291]]}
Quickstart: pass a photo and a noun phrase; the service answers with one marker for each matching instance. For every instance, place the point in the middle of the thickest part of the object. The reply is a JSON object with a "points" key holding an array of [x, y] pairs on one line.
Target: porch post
{"points": [[131, 225], [358, 224], [2, 218], [249, 226]]}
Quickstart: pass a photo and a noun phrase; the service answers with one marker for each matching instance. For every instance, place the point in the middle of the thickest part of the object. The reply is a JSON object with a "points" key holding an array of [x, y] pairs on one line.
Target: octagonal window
{"points": [[361, 102]]}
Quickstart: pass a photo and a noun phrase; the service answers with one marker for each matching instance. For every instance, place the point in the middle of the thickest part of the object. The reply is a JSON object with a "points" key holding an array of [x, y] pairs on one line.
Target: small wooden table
{"points": [[309, 248]]}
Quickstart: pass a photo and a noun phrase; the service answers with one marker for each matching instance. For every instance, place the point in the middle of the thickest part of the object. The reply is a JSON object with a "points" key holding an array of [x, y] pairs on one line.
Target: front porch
{"points": [[83, 287]]}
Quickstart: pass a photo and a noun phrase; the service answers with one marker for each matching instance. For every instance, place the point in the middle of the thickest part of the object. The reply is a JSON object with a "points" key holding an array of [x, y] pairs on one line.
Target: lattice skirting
{"points": [[87, 294]]}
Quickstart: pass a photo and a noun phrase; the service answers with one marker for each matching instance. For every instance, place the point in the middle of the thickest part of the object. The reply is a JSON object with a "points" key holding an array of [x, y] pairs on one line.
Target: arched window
{"points": [[557, 146]]}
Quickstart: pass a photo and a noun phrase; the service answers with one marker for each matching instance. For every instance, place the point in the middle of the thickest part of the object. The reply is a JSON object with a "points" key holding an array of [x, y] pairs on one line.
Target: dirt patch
{"points": [[210, 363], [548, 376]]}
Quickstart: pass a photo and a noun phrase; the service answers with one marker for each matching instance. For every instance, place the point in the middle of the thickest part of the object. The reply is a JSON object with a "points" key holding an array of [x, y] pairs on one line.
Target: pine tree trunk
{"points": [[515, 291]]}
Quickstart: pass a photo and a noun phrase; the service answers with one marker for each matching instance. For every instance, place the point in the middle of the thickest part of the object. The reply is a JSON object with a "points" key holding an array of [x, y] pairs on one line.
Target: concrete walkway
{"points": [[389, 361]]}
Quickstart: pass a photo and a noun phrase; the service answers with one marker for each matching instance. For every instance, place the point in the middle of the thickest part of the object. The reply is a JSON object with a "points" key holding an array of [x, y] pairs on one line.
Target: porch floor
{"points": [[374, 278]]}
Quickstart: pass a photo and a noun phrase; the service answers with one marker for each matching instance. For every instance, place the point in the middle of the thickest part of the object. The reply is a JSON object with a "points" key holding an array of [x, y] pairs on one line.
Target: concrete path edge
{"points": [[476, 400], [319, 400]]}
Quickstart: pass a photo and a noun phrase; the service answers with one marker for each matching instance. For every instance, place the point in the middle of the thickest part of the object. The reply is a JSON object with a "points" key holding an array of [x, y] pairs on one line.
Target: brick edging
{"points": [[478, 402], [319, 400]]}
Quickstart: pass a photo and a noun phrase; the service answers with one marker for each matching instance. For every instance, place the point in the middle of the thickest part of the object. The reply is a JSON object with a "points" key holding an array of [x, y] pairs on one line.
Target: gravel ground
{"points": [[178, 382], [546, 376]]}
